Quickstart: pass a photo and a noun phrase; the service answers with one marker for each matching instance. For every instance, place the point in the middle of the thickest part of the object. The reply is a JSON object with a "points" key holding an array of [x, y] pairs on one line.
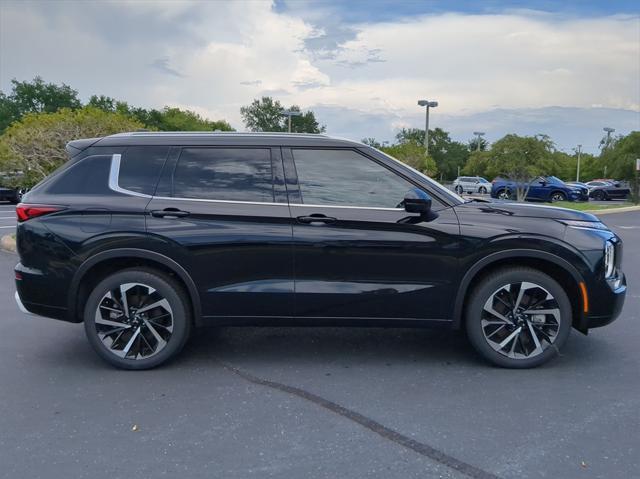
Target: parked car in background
{"points": [[471, 184], [12, 195], [543, 188], [584, 189], [607, 190]]}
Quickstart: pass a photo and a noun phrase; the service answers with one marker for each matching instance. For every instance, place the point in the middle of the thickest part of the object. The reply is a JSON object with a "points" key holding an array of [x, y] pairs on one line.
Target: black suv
{"points": [[143, 236]]}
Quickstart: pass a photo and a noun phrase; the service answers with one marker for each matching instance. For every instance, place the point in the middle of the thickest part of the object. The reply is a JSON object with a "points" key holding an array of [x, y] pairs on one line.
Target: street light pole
{"points": [[609, 131], [479, 135], [428, 104], [290, 113], [578, 170], [606, 144]]}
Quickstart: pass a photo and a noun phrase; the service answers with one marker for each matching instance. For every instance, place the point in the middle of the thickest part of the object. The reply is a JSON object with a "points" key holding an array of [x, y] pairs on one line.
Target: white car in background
{"points": [[471, 184]]}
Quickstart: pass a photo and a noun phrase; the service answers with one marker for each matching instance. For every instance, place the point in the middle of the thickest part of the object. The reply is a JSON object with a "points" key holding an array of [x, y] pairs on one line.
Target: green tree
{"points": [[413, 155], [520, 159], [35, 96], [472, 144], [175, 119], [36, 143], [266, 114], [448, 154], [372, 142], [477, 164], [620, 157]]}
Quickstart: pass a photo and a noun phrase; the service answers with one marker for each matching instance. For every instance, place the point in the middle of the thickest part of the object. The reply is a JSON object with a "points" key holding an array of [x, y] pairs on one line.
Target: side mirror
{"points": [[417, 201]]}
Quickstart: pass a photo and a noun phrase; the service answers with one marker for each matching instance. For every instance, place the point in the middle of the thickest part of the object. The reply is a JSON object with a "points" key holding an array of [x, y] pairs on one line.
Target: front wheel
{"points": [[504, 194], [482, 190], [558, 196], [137, 319], [518, 318]]}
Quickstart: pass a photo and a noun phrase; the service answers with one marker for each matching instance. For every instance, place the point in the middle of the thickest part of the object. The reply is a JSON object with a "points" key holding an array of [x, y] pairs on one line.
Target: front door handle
{"points": [[317, 219], [169, 213]]}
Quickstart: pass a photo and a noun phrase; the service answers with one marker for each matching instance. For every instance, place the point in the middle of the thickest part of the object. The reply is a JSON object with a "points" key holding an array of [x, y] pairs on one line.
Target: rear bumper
{"points": [[21, 306], [36, 294]]}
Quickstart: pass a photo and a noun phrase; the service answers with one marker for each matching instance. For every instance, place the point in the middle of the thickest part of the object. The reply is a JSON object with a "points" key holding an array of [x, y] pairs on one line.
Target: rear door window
{"points": [[228, 174], [140, 168]]}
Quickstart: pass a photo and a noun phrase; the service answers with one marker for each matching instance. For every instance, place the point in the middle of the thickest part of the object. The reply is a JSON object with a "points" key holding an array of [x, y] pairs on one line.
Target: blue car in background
{"points": [[543, 188]]}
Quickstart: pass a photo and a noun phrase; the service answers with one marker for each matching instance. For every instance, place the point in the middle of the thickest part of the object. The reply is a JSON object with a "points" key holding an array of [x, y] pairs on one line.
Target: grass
{"points": [[587, 206]]}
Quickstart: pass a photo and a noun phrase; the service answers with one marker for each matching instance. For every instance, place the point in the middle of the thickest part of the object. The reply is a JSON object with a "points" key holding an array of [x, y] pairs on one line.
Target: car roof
{"points": [[196, 138]]}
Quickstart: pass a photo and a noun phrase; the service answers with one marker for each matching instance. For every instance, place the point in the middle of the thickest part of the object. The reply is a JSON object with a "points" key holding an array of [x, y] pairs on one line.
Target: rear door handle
{"points": [[169, 213], [316, 219]]}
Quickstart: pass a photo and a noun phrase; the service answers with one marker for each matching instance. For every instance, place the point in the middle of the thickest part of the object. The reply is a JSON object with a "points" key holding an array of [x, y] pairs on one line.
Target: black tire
{"points": [[166, 288], [504, 194], [482, 190], [459, 190], [598, 195], [475, 314], [558, 196]]}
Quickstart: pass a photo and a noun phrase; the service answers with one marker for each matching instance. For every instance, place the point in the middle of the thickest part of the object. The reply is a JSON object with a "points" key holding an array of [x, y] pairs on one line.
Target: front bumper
{"points": [[609, 306]]}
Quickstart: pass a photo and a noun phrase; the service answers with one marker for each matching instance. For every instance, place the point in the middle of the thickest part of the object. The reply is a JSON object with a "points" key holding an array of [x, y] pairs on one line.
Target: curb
{"points": [[8, 243], [624, 209]]}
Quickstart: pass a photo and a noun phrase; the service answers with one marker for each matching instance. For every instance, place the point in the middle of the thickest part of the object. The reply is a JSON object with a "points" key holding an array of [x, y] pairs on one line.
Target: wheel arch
{"points": [[556, 267], [105, 262]]}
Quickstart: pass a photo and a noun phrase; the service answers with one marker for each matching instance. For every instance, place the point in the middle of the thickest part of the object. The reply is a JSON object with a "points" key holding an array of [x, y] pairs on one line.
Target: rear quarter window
{"points": [[89, 176]]}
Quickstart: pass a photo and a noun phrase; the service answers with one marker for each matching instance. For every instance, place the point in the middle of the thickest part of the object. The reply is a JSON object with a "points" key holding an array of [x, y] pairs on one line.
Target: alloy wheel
{"points": [[504, 195], [521, 320], [134, 321], [557, 197]]}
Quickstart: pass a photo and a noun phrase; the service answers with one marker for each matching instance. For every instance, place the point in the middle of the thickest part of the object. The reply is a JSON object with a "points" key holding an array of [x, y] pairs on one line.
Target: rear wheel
{"points": [[598, 195], [137, 319], [518, 318], [558, 196], [459, 189]]}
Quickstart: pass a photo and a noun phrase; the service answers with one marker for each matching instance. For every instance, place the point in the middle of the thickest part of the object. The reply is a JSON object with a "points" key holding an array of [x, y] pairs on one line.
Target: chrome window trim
{"points": [[114, 173], [351, 207], [221, 201]]}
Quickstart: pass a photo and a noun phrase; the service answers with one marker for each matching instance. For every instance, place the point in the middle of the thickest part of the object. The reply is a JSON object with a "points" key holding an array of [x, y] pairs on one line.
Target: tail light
{"points": [[26, 212]]}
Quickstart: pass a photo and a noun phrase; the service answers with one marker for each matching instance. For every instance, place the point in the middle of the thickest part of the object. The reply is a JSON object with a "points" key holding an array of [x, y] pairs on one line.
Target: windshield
{"points": [[441, 189], [483, 180], [553, 179]]}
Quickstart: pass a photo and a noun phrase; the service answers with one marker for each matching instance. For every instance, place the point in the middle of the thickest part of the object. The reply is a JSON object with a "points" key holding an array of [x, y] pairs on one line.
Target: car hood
{"points": [[533, 211]]}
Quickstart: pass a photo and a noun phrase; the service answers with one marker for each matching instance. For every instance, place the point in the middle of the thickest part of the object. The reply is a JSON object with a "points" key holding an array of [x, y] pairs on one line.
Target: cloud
{"points": [[363, 77], [162, 64]]}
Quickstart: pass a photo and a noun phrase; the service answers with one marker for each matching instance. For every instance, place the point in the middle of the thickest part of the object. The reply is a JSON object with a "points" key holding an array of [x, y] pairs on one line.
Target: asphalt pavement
{"points": [[320, 402], [7, 218]]}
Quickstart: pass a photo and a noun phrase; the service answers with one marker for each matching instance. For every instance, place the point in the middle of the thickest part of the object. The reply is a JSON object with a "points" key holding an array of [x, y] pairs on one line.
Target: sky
{"points": [[565, 69]]}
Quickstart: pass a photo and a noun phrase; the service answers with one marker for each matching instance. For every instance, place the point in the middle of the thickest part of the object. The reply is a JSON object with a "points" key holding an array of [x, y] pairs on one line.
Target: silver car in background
{"points": [[471, 184]]}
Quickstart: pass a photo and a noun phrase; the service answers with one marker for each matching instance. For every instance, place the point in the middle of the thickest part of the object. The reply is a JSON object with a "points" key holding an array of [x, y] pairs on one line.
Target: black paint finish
{"points": [[286, 262]]}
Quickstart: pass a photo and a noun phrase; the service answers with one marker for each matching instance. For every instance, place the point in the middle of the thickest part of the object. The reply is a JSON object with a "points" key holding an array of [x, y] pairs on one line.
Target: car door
{"points": [[222, 213], [358, 253], [538, 189]]}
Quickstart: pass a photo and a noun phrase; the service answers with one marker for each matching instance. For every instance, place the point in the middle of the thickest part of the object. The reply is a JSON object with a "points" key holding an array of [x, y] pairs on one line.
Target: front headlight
{"points": [[609, 259], [592, 225]]}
